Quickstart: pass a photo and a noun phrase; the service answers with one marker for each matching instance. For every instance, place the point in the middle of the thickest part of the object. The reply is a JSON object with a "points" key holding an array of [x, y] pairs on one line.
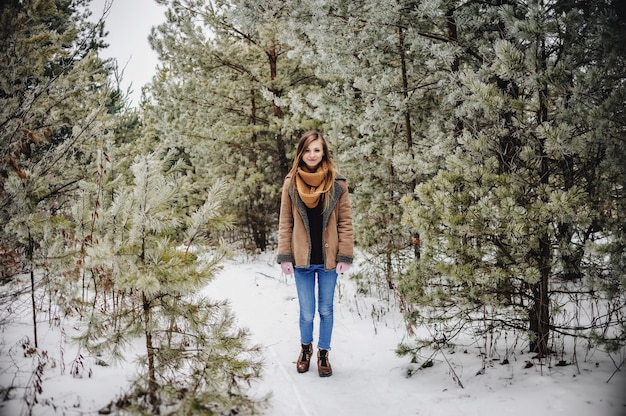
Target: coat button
{"points": [[326, 245]]}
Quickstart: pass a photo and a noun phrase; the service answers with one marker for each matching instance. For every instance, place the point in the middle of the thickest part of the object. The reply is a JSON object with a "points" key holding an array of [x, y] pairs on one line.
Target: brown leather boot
{"points": [[323, 364], [304, 359]]}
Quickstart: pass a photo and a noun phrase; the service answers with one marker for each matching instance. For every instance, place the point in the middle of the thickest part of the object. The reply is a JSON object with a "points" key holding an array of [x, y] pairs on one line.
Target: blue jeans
{"points": [[305, 285]]}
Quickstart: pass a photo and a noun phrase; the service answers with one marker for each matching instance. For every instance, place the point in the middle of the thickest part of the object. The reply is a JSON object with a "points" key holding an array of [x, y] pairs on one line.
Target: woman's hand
{"points": [[287, 267], [342, 267]]}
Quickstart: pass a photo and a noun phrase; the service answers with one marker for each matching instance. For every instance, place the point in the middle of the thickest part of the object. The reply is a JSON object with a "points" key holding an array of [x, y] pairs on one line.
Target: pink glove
{"points": [[342, 267], [287, 267]]}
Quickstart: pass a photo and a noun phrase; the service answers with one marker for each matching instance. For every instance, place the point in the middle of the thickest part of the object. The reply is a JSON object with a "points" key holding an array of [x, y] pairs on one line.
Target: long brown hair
{"points": [[305, 141]]}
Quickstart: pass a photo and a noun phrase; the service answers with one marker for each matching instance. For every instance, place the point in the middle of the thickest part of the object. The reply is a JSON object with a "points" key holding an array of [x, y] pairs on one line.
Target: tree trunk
{"points": [[278, 113], [389, 267], [408, 131], [539, 313], [451, 28], [31, 250], [34, 305], [540, 309], [152, 384]]}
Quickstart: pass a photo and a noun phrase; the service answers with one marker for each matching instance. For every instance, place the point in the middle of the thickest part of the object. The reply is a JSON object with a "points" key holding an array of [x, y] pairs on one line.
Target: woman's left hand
{"points": [[342, 267]]}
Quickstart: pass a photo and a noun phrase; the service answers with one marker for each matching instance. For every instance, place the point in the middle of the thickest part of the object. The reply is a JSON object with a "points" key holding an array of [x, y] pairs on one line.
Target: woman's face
{"points": [[313, 154]]}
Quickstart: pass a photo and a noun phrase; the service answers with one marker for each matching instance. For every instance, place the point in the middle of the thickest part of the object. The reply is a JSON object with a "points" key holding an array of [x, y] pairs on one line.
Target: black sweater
{"points": [[315, 230]]}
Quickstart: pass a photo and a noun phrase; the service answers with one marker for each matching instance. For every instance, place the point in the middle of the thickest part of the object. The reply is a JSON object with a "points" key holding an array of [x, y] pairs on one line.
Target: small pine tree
{"points": [[195, 360]]}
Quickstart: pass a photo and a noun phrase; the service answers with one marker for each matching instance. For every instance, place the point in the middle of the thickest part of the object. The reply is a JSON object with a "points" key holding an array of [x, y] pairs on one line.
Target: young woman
{"points": [[315, 241]]}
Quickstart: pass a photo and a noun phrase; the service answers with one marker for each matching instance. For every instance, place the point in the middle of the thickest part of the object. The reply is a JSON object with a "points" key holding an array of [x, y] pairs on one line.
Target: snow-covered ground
{"points": [[368, 378]]}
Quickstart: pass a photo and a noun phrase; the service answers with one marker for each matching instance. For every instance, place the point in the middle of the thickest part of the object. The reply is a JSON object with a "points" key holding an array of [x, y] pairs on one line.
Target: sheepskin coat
{"points": [[294, 238]]}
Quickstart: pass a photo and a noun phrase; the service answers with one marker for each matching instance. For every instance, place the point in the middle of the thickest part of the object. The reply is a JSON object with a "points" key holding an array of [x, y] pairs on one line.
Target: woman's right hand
{"points": [[287, 267]]}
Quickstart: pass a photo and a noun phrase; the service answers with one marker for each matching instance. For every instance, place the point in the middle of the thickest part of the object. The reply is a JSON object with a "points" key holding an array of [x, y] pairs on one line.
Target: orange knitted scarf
{"points": [[311, 185]]}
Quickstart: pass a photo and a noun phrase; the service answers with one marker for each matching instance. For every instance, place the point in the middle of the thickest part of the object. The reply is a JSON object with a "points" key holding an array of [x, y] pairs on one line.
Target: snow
{"points": [[368, 378]]}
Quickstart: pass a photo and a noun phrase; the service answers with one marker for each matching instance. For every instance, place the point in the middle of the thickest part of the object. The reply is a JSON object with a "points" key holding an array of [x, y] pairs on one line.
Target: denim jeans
{"points": [[305, 285]]}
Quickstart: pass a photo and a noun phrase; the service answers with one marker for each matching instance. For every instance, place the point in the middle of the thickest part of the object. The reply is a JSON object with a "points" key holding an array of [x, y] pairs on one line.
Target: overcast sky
{"points": [[128, 23]]}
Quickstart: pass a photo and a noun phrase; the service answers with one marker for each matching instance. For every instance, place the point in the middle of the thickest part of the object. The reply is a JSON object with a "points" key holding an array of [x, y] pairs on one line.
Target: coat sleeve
{"points": [[285, 226], [344, 228]]}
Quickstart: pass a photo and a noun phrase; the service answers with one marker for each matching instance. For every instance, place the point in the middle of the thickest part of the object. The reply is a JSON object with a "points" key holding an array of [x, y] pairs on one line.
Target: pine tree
{"points": [[521, 205], [105, 219], [224, 87], [153, 254], [53, 94], [373, 98]]}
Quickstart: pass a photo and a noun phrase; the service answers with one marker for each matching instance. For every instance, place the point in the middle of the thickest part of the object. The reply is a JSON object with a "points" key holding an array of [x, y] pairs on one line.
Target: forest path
{"points": [[369, 379], [362, 355]]}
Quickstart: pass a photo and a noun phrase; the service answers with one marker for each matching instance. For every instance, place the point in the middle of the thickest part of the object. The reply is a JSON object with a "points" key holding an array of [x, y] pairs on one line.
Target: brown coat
{"points": [[294, 240]]}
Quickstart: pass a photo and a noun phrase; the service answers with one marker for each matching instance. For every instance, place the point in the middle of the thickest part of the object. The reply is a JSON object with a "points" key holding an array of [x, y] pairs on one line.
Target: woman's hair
{"points": [[305, 141]]}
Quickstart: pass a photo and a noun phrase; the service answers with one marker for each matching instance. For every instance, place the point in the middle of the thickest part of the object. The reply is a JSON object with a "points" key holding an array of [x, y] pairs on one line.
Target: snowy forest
{"points": [[483, 142]]}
